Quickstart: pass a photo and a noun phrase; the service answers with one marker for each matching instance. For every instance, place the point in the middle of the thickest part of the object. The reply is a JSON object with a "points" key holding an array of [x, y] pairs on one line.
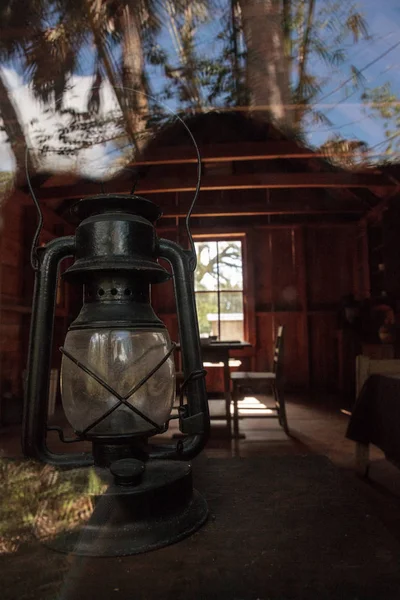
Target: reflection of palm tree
{"points": [[268, 73], [120, 22], [45, 55], [21, 16], [281, 37], [123, 32], [58, 34], [49, 55], [277, 39], [105, 25], [183, 18]]}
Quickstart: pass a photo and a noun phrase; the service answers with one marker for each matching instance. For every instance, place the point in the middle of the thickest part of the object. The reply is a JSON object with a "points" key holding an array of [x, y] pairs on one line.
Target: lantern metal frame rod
{"points": [[197, 420], [40, 347]]}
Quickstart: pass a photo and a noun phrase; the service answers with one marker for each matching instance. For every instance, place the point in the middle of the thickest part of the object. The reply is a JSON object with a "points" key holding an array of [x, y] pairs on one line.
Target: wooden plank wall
{"points": [[297, 275], [19, 220], [294, 275], [331, 256], [11, 265]]}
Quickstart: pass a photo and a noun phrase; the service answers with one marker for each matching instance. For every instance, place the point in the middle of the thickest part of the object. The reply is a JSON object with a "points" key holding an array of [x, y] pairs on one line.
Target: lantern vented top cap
{"points": [[111, 203]]}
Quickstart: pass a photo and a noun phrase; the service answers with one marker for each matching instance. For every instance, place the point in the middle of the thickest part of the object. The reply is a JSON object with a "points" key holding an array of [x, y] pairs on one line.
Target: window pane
{"points": [[220, 269], [230, 265], [206, 275], [232, 325], [207, 312]]}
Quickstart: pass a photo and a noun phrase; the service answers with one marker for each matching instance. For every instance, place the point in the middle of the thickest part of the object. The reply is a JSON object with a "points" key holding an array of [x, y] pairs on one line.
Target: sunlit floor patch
{"points": [[251, 406]]}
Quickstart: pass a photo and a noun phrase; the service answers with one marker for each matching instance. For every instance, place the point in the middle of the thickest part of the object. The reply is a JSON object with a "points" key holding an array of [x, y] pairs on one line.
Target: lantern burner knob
{"points": [[127, 471]]}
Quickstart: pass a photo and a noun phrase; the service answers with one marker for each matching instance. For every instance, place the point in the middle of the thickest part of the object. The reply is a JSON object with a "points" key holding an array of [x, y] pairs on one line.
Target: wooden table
{"points": [[216, 352], [280, 528]]}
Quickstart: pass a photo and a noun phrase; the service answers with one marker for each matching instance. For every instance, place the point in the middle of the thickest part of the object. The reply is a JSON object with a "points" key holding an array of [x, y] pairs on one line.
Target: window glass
{"points": [[219, 289]]}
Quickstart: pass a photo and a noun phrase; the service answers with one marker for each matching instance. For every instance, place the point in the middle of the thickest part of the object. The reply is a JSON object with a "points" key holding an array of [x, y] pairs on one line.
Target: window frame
{"points": [[222, 237]]}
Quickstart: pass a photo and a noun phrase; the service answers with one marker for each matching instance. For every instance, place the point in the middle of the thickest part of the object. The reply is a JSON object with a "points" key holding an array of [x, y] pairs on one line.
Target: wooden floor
{"points": [[316, 423], [317, 426]]}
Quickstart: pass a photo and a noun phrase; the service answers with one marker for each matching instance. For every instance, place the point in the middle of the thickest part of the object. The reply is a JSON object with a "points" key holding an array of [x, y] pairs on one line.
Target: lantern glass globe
{"points": [[121, 359]]}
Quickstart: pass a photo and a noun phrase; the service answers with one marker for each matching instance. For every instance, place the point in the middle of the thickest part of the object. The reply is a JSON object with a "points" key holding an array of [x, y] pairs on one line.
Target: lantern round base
{"points": [[161, 510]]}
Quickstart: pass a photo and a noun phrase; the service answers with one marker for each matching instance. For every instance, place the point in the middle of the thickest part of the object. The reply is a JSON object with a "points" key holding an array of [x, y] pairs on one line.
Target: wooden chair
{"points": [[244, 382]]}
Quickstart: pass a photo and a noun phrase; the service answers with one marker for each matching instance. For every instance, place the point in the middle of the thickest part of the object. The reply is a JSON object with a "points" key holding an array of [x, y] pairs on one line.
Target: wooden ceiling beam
{"points": [[251, 209], [243, 151], [228, 210], [225, 183], [269, 181]]}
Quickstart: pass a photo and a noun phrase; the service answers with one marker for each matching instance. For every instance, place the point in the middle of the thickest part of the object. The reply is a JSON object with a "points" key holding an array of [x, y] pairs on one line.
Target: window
{"points": [[219, 289]]}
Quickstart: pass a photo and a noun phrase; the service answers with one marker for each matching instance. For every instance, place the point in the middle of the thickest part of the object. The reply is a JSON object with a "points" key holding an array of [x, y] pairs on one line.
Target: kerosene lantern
{"points": [[118, 377]]}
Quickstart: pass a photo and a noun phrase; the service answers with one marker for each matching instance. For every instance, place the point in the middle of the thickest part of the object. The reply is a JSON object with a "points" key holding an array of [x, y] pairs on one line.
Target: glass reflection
{"points": [[84, 85]]}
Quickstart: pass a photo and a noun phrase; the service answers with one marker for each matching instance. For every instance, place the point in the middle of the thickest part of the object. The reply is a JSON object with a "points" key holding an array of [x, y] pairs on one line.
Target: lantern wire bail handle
{"points": [[193, 258], [34, 256]]}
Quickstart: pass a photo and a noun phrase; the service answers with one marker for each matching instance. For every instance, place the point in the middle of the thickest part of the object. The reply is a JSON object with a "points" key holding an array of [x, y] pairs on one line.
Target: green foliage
{"points": [[345, 152], [356, 25], [205, 306], [382, 103], [207, 303]]}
